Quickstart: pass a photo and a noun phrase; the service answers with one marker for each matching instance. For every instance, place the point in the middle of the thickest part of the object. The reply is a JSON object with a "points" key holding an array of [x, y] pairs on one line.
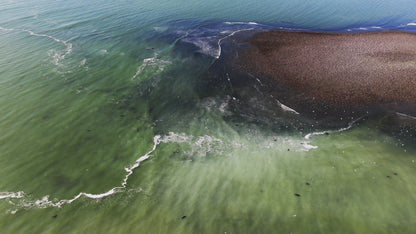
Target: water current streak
{"points": [[56, 56]]}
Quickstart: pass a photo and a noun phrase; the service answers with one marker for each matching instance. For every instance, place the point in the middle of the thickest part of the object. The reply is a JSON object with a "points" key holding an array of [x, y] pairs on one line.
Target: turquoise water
{"points": [[114, 118]]}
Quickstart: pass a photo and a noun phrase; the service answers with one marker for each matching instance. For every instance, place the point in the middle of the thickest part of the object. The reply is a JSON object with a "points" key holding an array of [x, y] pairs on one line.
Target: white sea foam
{"points": [[284, 107], [219, 104], [406, 116], [55, 54], [350, 125], [306, 146], [250, 23], [153, 62], [200, 146], [217, 56], [4, 195], [208, 39], [411, 24]]}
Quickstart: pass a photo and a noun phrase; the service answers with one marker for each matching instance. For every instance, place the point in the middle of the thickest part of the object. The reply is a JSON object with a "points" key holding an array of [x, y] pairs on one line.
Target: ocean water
{"points": [[114, 118]]}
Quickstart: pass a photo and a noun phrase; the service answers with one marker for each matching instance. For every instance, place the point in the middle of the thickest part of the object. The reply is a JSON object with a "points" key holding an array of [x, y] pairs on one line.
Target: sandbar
{"points": [[344, 69]]}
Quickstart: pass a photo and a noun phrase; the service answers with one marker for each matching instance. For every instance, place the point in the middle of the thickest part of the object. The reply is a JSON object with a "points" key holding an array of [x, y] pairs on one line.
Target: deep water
{"points": [[119, 117]]}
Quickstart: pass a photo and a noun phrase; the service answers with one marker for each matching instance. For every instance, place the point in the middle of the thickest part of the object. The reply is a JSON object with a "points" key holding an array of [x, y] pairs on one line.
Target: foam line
{"points": [[250, 23], [350, 125], [129, 170], [56, 56], [45, 202], [286, 108], [405, 116], [229, 35]]}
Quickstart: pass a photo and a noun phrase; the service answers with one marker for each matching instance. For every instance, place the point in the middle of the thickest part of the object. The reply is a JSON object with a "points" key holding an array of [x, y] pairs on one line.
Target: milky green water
{"points": [[115, 119]]}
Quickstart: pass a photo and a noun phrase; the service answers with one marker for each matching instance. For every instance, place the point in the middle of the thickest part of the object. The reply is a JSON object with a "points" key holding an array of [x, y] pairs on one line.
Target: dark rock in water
{"points": [[327, 133], [288, 149], [183, 217], [307, 183], [395, 174], [55, 216], [388, 177], [297, 194]]}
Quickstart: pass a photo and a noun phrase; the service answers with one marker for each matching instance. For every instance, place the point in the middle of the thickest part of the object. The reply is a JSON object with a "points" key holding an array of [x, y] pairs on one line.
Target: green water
{"points": [[87, 89]]}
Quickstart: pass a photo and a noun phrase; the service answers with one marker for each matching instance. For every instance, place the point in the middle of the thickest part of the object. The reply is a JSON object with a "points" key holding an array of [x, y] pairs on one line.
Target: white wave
{"points": [[306, 146], [129, 170], [250, 23], [4, 195], [151, 62], [350, 125], [411, 24], [56, 55], [405, 116], [284, 107], [217, 56], [200, 146]]}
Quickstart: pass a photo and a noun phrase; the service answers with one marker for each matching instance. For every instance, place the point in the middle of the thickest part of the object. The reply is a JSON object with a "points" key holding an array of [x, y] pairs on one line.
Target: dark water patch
{"points": [[401, 126]]}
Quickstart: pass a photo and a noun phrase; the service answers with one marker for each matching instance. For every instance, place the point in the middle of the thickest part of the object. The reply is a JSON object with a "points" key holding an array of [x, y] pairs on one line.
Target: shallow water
{"points": [[118, 117]]}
